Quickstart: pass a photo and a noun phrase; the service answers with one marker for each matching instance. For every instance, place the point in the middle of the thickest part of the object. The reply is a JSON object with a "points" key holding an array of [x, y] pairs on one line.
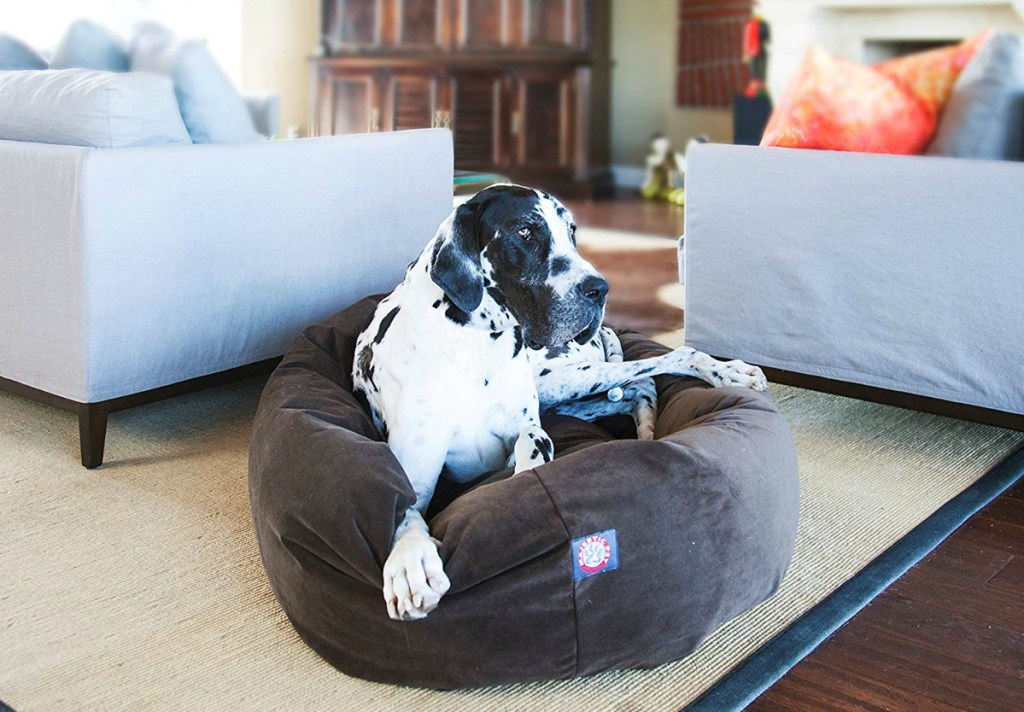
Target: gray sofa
{"points": [[135, 273], [892, 278]]}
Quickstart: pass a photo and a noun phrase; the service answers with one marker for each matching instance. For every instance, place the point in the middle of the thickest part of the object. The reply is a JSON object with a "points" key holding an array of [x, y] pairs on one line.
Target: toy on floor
{"points": [[665, 170]]}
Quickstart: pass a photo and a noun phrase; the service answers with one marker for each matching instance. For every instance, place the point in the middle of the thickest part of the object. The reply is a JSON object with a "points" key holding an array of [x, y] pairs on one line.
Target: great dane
{"points": [[497, 321]]}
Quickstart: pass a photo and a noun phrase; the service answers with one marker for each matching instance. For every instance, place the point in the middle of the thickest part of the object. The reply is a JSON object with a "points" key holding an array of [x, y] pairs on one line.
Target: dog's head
{"points": [[517, 247]]}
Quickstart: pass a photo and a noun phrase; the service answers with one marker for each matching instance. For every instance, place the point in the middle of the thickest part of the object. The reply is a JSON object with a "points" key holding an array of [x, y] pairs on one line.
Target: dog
{"points": [[497, 320]]}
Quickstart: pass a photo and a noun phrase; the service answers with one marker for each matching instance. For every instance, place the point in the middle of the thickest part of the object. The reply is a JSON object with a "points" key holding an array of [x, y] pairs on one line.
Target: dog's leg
{"points": [[612, 354], [599, 406], [581, 380], [645, 408], [532, 449], [414, 578]]}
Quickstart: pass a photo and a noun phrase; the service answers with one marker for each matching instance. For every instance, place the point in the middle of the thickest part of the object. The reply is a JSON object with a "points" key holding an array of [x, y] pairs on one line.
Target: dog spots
{"points": [[492, 325], [544, 445], [365, 364], [524, 411], [560, 265], [518, 332], [556, 351], [375, 415], [385, 324], [360, 395], [486, 383], [455, 314], [436, 304], [585, 368], [496, 334], [499, 298], [645, 371], [545, 371]]}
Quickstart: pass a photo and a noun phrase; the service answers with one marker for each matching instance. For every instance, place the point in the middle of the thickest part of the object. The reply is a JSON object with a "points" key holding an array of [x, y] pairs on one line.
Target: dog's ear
{"points": [[456, 264]]}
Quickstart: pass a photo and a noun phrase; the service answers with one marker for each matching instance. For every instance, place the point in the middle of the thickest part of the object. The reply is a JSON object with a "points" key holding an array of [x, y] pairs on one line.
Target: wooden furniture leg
{"points": [[92, 432]]}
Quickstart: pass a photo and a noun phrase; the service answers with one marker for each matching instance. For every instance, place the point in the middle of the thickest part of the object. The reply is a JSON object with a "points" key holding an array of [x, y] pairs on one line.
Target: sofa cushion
{"points": [[211, 107], [984, 117], [930, 76], [82, 107], [833, 103], [15, 54], [88, 45]]}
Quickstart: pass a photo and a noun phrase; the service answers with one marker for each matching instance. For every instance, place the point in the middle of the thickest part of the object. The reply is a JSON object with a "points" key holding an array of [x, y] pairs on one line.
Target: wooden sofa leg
{"points": [[92, 432]]}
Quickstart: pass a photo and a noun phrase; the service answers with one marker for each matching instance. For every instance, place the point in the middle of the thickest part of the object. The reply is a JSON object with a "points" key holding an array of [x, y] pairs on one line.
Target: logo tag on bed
{"points": [[594, 554]]}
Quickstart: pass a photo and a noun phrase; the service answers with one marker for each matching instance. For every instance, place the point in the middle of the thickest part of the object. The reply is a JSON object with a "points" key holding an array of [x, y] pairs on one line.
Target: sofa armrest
{"points": [[41, 334], [265, 110], [897, 272], [182, 261]]}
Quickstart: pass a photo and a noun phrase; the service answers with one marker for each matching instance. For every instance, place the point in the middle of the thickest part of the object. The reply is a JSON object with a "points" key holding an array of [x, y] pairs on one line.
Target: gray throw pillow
{"points": [[88, 45], [213, 110], [984, 117], [83, 107], [15, 54]]}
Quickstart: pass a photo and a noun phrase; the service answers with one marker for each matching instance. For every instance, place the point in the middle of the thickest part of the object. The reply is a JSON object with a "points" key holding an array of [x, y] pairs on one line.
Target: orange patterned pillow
{"points": [[930, 76], [833, 103]]}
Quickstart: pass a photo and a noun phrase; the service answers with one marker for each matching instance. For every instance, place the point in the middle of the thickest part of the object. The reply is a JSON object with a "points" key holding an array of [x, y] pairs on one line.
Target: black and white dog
{"points": [[497, 321]]}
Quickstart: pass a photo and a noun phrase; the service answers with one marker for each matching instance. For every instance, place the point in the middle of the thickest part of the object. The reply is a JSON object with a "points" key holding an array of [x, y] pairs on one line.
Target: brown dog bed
{"points": [[617, 554]]}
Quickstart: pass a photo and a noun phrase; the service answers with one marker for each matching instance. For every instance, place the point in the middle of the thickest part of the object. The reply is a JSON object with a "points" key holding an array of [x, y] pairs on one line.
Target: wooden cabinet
{"points": [[513, 79]]}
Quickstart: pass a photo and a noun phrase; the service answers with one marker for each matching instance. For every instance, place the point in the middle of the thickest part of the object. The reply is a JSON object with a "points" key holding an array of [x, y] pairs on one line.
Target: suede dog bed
{"points": [[678, 535]]}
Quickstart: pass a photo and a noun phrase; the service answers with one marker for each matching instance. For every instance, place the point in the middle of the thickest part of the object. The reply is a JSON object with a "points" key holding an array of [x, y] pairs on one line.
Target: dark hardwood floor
{"points": [[630, 213], [948, 635]]}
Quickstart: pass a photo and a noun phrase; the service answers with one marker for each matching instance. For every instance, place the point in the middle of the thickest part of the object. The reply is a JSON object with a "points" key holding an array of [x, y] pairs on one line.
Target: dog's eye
{"points": [[524, 233]]}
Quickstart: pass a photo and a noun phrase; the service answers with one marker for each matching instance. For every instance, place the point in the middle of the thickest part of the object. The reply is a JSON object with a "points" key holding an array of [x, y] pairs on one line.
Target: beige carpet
{"points": [[138, 586]]}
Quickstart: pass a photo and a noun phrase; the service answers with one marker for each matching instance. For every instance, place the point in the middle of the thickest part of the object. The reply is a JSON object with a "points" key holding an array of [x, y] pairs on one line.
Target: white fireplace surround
{"points": [[848, 27]]}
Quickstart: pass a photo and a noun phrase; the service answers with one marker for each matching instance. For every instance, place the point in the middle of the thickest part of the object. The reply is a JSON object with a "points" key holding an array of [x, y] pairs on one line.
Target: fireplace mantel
{"points": [[847, 27]]}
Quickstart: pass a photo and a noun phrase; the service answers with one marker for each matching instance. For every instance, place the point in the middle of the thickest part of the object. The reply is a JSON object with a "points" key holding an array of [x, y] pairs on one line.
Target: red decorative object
{"points": [[711, 70], [930, 76], [835, 104]]}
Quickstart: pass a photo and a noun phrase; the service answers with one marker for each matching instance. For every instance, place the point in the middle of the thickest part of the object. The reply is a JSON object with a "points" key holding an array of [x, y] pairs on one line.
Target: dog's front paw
{"points": [[736, 373], [414, 578]]}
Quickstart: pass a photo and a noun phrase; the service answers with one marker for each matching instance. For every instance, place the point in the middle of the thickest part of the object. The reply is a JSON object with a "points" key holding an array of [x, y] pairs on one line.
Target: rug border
{"points": [[759, 671]]}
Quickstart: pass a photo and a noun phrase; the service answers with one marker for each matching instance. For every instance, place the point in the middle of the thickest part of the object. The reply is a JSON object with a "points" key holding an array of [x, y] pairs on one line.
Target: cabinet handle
{"points": [[374, 119], [517, 122]]}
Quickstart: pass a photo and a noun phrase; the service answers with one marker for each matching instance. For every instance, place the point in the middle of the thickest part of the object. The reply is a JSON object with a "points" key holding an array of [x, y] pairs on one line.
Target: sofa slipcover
{"points": [[698, 525]]}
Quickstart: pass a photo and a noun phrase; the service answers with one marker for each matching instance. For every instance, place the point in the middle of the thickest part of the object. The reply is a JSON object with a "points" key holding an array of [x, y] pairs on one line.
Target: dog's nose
{"points": [[594, 288]]}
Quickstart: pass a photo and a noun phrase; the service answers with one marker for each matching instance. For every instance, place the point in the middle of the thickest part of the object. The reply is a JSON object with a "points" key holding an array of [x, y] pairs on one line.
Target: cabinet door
{"points": [[411, 101], [552, 23], [543, 125], [482, 24], [479, 120], [353, 23], [348, 102], [419, 24]]}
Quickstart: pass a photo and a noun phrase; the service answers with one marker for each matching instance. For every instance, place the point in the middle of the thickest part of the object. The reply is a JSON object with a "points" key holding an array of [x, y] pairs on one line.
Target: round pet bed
{"points": [[617, 554]]}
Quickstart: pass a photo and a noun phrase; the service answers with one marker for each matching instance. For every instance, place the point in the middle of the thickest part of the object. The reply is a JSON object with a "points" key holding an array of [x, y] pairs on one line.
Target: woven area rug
{"points": [[139, 585]]}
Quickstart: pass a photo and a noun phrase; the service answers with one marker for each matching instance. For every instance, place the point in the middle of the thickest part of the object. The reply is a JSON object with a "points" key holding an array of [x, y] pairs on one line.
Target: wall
{"points": [[43, 24], [841, 26], [278, 36], [643, 86]]}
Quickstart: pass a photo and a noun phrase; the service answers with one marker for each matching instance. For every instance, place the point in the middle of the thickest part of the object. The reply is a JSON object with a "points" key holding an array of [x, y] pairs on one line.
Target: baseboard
{"points": [[627, 176]]}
